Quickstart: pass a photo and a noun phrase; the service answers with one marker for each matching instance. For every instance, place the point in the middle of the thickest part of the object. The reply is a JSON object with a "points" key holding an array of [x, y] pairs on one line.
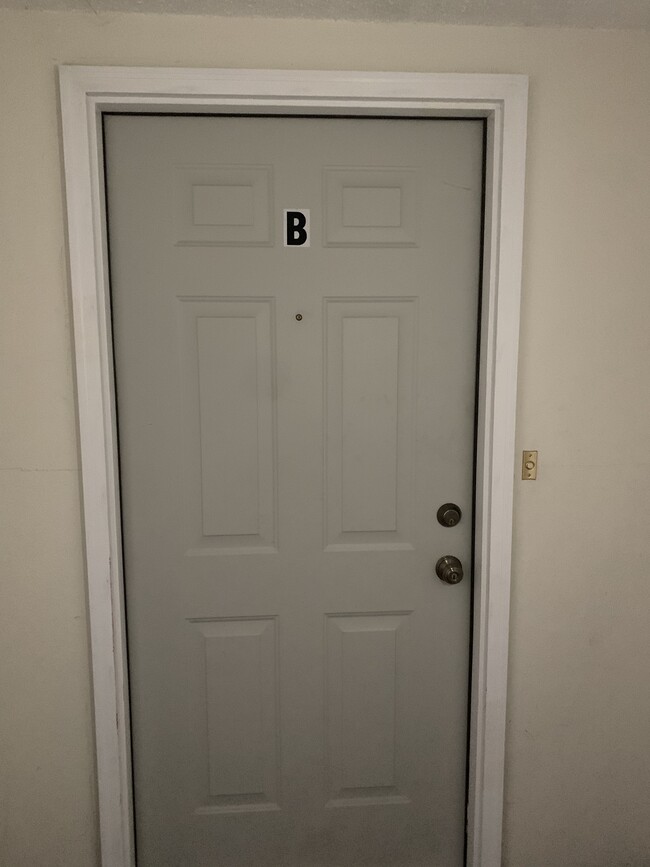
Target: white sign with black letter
{"points": [[296, 227]]}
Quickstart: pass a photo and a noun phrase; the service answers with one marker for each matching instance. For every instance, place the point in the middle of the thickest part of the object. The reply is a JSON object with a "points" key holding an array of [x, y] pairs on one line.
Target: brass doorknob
{"points": [[449, 569]]}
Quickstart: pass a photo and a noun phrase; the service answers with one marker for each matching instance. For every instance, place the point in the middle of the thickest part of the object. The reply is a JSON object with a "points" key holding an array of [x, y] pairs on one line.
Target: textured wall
{"points": [[578, 752]]}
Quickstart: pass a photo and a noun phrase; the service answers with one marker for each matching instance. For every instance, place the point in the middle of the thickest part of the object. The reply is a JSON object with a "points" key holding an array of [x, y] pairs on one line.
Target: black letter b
{"points": [[296, 232]]}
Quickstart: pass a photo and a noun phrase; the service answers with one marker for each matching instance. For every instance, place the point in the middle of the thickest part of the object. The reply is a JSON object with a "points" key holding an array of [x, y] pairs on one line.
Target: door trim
{"points": [[87, 92]]}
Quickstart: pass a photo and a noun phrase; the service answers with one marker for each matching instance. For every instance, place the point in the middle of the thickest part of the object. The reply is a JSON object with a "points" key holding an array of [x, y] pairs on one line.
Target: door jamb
{"points": [[87, 92]]}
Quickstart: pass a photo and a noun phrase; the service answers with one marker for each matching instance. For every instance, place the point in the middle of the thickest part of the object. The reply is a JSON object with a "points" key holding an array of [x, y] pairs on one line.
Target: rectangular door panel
{"points": [[367, 207], [365, 654], [240, 714], [371, 350], [229, 448], [223, 205]]}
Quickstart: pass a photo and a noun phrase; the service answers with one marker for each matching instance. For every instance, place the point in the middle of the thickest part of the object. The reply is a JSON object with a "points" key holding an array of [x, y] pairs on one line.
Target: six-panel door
{"points": [[290, 420]]}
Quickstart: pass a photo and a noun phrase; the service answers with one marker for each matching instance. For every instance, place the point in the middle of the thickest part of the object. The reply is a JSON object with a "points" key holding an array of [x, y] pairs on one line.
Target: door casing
{"points": [[87, 92]]}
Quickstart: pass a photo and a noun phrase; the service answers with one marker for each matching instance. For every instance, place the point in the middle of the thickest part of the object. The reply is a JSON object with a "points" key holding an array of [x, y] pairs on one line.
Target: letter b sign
{"points": [[296, 228]]}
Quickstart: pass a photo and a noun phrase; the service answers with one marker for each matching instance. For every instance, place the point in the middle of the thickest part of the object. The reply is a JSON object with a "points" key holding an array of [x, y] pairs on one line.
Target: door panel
{"points": [[290, 419], [370, 362], [240, 693], [364, 706], [229, 430]]}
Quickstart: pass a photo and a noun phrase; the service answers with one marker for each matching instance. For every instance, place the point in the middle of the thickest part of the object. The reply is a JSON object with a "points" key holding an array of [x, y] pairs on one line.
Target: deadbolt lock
{"points": [[449, 515], [449, 569]]}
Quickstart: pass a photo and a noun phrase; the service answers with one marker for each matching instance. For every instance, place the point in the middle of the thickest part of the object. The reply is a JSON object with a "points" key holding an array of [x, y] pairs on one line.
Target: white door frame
{"points": [[86, 92]]}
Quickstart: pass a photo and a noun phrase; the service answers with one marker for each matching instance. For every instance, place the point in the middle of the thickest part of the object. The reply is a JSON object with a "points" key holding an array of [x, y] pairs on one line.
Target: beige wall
{"points": [[578, 751]]}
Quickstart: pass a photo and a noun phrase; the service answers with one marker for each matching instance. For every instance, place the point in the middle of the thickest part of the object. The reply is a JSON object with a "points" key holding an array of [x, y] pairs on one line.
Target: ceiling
{"points": [[633, 14]]}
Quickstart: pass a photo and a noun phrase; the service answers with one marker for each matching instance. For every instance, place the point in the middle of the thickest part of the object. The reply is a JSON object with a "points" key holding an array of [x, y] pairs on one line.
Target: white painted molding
{"points": [[86, 92]]}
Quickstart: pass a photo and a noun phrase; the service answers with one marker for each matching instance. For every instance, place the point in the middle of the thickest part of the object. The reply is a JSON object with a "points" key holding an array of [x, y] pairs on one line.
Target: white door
{"points": [[290, 420]]}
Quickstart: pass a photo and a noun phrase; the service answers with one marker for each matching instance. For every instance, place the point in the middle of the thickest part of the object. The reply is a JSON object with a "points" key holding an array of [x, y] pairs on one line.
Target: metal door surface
{"points": [[294, 308]]}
